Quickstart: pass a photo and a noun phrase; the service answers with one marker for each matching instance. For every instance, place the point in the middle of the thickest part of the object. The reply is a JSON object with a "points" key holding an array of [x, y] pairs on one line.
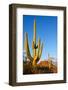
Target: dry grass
{"points": [[39, 69]]}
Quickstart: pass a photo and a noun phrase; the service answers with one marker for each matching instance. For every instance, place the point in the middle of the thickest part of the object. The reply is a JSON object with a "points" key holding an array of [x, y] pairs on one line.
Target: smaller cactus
{"points": [[50, 61]]}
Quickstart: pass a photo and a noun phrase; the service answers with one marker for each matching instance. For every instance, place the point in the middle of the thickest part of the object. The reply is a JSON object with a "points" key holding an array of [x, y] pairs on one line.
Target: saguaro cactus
{"points": [[37, 48]]}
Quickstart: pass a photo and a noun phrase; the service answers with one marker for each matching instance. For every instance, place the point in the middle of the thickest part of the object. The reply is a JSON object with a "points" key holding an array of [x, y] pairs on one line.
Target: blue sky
{"points": [[46, 30]]}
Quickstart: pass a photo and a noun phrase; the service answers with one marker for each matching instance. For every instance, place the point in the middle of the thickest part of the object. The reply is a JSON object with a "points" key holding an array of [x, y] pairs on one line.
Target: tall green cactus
{"points": [[37, 48]]}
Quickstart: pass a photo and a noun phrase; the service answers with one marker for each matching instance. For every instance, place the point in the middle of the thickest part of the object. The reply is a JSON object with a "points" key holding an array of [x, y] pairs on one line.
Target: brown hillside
{"points": [[44, 64], [42, 67]]}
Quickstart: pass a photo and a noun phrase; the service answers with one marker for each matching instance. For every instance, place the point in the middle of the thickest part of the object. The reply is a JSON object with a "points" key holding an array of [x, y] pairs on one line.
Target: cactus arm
{"points": [[33, 48], [40, 52], [27, 47], [38, 47]]}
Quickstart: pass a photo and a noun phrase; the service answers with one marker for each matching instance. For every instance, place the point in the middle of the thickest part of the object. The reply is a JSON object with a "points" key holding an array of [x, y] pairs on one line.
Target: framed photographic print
{"points": [[37, 44]]}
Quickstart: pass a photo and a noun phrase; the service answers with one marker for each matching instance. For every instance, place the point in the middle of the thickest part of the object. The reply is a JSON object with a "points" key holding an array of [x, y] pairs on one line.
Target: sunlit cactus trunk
{"points": [[37, 48], [34, 40]]}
